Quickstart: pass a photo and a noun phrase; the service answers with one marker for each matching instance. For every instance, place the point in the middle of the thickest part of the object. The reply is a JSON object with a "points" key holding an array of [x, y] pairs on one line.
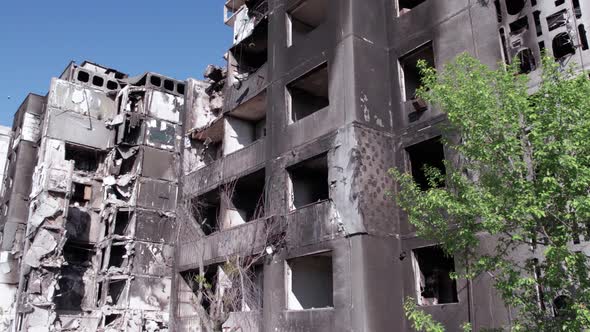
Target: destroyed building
{"points": [[91, 186], [120, 191]]}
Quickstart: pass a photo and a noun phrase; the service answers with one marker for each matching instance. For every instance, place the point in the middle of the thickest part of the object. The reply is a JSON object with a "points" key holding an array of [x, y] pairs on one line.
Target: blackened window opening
{"points": [[84, 159], [411, 73], [248, 196], [309, 181], [434, 280], [424, 155], [205, 210], [309, 93]]}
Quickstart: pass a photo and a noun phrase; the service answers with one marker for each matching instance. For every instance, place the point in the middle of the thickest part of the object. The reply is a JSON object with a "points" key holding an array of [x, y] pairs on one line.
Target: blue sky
{"points": [[38, 38]]}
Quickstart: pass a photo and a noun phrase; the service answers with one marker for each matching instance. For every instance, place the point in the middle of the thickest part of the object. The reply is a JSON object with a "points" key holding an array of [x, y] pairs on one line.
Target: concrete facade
{"points": [[333, 82], [118, 189]]}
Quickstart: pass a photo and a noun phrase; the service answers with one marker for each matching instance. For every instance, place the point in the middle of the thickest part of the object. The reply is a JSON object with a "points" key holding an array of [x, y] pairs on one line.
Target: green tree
{"points": [[517, 172]]}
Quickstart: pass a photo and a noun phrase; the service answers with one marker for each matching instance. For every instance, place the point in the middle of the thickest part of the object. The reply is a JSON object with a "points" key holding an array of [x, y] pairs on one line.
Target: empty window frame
{"points": [[513, 7], [112, 85], [432, 268], [77, 253], [117, 256], [537, 19], [309, 282], [69, 294], [410, 73], [244, 199], [557, 20], [115, 292], [583, 37], [84, 159], [423, 155], [304, 18], [81, 193], [577, 8], [250, 54], [206, 210], [208, 282], [526, 60], [122, 222], [83, 76], [309, 181], [155, 80], [519, 26], [98, 81], [169, 85], [308, 94], [405, 6], [563, 46], [246, 124]]}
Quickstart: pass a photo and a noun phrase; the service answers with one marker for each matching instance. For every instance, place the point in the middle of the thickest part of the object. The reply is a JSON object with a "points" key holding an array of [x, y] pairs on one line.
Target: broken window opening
{"points": [[85, 159], [498, 11], [309, 181], [111, 320], [83, 76], [577, 8], [411, 76], [533, 3], [425, 155], [117, 256], [519, 26], [310, 282], [527, 62], [131, 133], [112, 85], [122, 221], [155, 80], [244, 199], [241, 133], [542, 46], [405, 6], [559, 2], [433, 282], [250, 54], [169, 85], [309, 93], [129, 161], [513, 7], [115, 290], [98, 81], [563, 46], [537, 19], [205, 210], [81, 193], [70, 292], [77, 253], [561, 305], [99, 294], [504, 50], [180, 88], [583, 37], [208, 282], [254, 292], [304, 18], [557, 20]]}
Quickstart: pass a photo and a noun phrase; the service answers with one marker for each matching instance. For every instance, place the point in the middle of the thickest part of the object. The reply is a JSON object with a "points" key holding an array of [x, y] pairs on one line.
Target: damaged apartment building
{"points": [[131, 203], [89, 222], [290, 175]]}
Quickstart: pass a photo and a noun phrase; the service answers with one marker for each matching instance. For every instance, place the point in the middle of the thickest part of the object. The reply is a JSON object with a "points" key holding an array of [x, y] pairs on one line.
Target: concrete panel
{"points": [[159, 164], [157, 195], [73, 97], [166, 106], [77, 128]]}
